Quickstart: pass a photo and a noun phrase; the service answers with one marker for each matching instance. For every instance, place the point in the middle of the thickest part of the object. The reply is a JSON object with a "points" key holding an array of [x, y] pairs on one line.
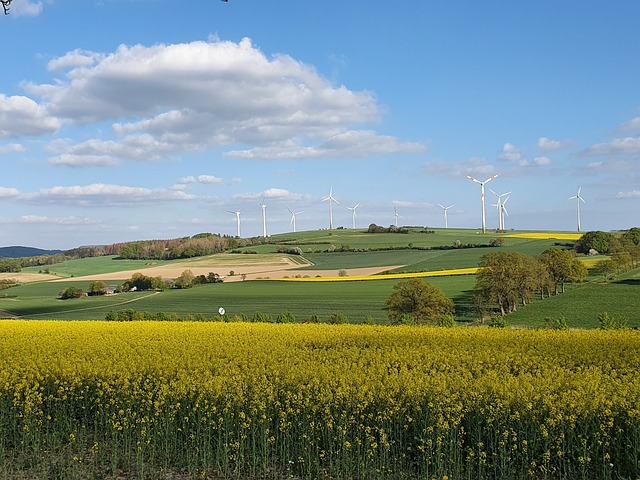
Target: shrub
{"points": [[125, 315], [368, 320], [71, 292], [609, 322], [343, 273], [260, 317], [338, 318], [559, 323], [446, 321], [286, 317], [498, 322], [405, 319]]}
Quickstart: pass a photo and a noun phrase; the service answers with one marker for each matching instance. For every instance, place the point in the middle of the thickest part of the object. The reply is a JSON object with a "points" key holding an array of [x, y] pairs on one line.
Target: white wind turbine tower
{"points": [[292, 223], [264, 218], [503, 211], [353, 215], [484, 223], [499, 208], [396, 215], [331, 200], [578, 200], [446, 223], [237, 214]]}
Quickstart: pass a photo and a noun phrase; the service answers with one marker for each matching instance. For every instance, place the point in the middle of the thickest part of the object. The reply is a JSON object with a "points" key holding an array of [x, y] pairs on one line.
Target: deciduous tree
{"points": [[185, 280], [98, 287], [562, 268], [423, 301], [601, 242], [507, 278]]}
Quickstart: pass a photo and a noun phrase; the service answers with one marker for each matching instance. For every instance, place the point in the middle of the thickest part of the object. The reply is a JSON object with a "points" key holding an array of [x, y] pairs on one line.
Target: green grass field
{"points": [[357, 300], [580, 305]]}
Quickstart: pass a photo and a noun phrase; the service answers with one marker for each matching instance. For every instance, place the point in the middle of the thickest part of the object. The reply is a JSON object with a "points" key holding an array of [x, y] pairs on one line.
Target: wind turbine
{"points": [[396, 215], [503, 211], [264, 218], [445, 214], [484, 223], [292, 223], [578, 200], [353, 215], [237, 214], [331, 200], [498, 206]]}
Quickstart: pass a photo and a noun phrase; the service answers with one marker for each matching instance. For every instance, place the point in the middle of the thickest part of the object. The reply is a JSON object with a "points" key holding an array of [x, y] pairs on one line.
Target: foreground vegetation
{"points": [[99, 399]]}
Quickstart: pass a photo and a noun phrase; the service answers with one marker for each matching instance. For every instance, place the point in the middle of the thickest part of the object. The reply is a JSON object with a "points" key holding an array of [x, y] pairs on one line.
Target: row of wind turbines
{"points": [[500, 207]]}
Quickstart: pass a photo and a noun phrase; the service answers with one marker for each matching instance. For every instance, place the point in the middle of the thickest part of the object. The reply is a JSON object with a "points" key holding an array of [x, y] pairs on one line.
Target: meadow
{"points": [[358, 301], [140, 400], [223, 399]]}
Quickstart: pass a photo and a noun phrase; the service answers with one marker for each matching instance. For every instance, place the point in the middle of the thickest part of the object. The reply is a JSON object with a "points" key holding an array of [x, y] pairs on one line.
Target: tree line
{"points": [[506, 280]]}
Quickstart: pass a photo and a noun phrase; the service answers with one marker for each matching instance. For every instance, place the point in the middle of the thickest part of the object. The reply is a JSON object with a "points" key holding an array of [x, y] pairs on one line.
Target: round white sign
{"points": [[221, 311]]}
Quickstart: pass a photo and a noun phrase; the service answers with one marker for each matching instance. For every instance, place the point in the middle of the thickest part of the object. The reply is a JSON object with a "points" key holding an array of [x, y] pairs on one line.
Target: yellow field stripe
{"points": [[389, 276], [546, 235]]}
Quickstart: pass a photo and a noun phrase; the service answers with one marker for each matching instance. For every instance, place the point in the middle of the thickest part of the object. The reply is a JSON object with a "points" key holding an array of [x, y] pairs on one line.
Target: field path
{"points": [[48, 314]]}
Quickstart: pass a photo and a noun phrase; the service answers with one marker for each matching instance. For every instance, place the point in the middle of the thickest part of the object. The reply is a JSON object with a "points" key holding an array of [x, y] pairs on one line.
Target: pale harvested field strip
{"points": [[355, 274]]}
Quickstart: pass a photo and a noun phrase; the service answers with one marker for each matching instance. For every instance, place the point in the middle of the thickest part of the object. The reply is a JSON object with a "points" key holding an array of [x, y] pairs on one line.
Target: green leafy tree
{"points": [[185, 280], [426, 303], [632, 235], [561, 267], [71, 292], [338, 318], [578, 271], [98, 288], [601, 242], [508, 278], [286, 317], [260, 317], [138, 281], [622, 260], [630, 243], [606, 268]]}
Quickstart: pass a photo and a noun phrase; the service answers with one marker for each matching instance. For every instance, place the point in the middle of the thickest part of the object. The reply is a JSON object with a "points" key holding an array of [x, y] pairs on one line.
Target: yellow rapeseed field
{"points": [[244, 400], [546, 235]]}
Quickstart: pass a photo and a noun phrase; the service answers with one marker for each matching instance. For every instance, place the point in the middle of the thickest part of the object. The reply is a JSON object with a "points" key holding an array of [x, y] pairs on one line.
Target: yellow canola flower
{"points": [[322, 395], [545, 235]]}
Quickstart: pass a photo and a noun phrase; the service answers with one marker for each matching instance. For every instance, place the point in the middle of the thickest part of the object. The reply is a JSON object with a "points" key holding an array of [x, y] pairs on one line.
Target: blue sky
{"points": [[138, 119]]}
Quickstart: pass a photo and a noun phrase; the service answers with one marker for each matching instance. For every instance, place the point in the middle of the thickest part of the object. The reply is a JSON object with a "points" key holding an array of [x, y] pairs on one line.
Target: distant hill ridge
{"points": [[19, 252]]}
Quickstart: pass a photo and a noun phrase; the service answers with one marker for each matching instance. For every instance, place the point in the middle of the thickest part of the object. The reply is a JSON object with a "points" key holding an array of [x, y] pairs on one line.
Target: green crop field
{"points": [[580, 305], [358, 300]]}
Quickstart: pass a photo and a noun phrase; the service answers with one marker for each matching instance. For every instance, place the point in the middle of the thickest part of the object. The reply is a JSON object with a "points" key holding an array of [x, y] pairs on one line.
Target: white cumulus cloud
{"points": [[209, 179], [21, 115], [169, 99]]}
